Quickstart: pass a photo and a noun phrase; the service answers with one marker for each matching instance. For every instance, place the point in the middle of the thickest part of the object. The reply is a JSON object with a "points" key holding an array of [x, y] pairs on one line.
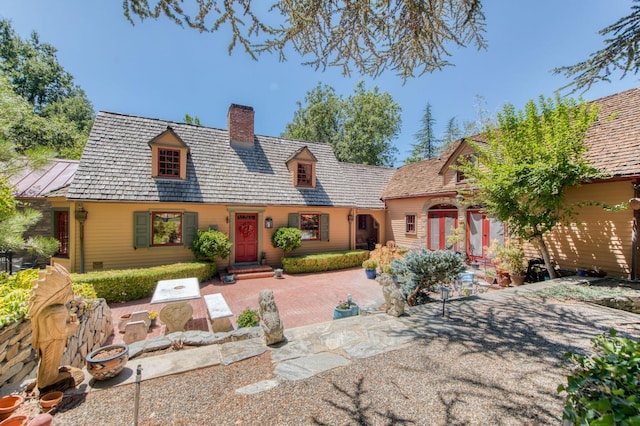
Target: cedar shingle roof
{"points": [[613, 140], [116, 166], [421, 178]]}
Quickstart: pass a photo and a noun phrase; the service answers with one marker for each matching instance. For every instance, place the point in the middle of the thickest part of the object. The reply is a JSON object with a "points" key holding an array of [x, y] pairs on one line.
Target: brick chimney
{"points": [[240, 124]]}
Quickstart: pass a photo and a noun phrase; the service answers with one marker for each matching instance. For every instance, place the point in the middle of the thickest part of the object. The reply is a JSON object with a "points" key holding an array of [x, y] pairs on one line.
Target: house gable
{"points": [[168, 155], [450, 175]]}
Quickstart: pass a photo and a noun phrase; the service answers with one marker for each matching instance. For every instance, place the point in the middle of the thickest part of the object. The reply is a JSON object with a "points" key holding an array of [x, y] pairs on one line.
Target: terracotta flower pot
{"points": [[19, 420], [9, 404], [50, 400], [517, 279], [108, 361], [503, 279]]}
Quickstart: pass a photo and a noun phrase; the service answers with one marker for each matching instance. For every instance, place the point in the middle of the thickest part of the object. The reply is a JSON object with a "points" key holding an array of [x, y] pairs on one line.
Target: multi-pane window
{"points": [[168, 162], [166, 228], [310, 226], [61, 231], [410, 224], [304, 174]]}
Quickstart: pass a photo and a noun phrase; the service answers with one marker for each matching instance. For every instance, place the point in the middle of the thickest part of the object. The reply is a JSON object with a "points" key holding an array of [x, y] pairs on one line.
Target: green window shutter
{"points": [[324, 227], [189, 227], [141, 229], [294, 220]]}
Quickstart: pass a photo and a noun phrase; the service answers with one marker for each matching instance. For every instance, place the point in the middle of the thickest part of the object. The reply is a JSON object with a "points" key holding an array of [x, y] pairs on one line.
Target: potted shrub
{"points": [[513, 260], [370, 267], [509, 261], [345, 309]]}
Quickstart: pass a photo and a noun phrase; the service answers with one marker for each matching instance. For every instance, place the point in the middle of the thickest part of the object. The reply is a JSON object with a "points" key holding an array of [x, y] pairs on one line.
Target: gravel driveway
{"points": [[487, 362]]}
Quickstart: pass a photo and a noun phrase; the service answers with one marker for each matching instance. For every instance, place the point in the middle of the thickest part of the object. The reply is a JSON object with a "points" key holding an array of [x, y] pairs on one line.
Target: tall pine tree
{"points": [[427, 146]]}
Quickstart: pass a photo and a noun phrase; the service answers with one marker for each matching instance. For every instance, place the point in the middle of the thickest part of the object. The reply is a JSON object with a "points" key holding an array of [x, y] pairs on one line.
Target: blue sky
{"points": [[157, 69]]}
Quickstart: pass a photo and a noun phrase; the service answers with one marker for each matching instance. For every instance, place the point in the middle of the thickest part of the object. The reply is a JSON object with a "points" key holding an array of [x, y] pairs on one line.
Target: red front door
{"points": [[246, 237]]}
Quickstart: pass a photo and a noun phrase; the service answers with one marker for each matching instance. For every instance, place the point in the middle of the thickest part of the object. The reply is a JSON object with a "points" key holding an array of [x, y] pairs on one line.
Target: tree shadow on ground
{"points": [[505, 356], [357, 410]]}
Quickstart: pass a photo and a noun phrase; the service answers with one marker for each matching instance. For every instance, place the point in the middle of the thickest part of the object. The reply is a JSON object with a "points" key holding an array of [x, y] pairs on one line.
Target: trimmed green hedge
{"points": [[324, 261], [133, 284]]}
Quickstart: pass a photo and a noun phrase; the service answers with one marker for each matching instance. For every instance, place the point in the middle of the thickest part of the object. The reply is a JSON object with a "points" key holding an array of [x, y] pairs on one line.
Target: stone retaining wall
{"points": [[18, 359]]}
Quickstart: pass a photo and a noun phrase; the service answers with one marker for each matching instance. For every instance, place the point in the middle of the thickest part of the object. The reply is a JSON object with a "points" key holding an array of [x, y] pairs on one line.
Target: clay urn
{"points": [[50, 400], [18, 420], [9, 404]]}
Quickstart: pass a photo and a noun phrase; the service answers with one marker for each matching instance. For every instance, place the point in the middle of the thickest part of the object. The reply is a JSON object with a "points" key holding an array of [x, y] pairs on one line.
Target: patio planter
{"points": [[517, 279], [503, 279], [351, 311], [371, 273], [107, 361], [9, 404]]}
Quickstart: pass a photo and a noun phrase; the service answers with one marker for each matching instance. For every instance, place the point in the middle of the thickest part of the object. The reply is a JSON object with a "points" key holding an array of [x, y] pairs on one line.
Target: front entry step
{"points": [[246, 272]]}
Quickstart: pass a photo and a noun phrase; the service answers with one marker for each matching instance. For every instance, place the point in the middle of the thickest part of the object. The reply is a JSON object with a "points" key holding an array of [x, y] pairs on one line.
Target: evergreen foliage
{"points": [[286, 239], [426, 146], [425, 271], [620, 53], [211, 244], [407, 37]]}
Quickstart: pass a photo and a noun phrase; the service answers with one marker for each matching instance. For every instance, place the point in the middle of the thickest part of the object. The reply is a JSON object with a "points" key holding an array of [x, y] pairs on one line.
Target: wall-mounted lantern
{"points": [[350, 217], [634, 203], [268, 223], [81, 214]]}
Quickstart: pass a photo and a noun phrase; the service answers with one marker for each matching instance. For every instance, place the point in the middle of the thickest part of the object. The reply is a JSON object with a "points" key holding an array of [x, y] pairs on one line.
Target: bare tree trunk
{"points": [[545, 255]]}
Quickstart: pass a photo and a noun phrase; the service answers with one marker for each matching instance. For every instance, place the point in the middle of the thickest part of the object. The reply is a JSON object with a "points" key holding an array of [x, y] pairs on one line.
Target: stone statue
{"points": [[392, 296], [52, 324], [270, 318]]}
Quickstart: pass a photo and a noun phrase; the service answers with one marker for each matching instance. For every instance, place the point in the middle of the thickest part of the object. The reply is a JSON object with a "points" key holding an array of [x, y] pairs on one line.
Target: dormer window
{"points": [[168, 155], [302, 166], [169, 163], [305, 174]]}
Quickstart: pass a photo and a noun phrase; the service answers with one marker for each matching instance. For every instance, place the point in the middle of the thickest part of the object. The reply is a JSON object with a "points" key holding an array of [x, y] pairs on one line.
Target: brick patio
{"points": [[302, 299]]}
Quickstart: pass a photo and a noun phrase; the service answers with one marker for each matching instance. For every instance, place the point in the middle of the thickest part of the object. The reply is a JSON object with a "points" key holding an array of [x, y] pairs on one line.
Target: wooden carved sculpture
{"points": [[51, 322]]}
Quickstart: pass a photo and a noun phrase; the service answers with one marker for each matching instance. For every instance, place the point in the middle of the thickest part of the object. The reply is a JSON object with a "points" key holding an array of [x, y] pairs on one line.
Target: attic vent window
{"points": [[169, 162], [305, 174]]}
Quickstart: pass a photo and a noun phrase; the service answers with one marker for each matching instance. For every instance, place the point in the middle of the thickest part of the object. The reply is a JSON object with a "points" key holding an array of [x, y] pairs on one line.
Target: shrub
{"points": [[248, 318], [287, 239], [604, 388], [369, 264], [133, 284], [324, 261], [386, 254], [425, 271], [15, 291], [211, 244]]}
